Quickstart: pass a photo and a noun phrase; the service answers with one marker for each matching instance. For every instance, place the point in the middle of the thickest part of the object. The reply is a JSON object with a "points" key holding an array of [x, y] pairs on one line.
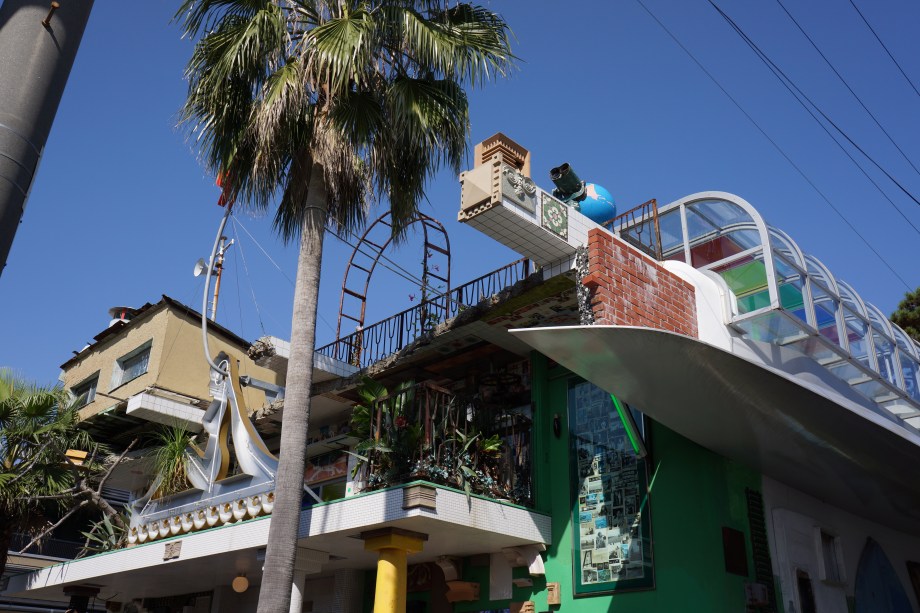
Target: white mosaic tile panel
{"points": [[522, 231], [165, 411], [333, 366]]}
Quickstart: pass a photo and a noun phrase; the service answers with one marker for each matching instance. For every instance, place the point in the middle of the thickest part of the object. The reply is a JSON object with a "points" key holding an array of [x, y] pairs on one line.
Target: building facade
{"points": [[672, 410]]}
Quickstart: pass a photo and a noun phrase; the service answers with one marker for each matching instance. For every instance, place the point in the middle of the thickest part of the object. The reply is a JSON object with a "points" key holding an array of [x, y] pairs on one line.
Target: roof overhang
{"points": [[789, 428]]}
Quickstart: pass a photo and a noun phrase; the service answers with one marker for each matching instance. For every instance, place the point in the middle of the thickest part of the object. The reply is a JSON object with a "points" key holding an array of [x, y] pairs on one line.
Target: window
{"points": [[131, 366], [87, 390], [831, 569]]}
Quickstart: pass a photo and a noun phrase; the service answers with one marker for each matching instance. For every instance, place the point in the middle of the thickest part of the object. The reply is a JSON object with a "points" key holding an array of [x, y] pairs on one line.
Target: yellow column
{"points": [[392, 547]]}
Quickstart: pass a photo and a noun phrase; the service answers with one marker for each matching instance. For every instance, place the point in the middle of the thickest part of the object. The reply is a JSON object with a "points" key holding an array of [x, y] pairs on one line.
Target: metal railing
{"points": [[384, 338], [639, 227], [426, 432], [50, 547]]}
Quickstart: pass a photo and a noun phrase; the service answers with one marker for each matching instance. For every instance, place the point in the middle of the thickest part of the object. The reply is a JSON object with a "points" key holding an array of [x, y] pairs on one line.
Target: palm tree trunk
{"points": [[278, 571]]}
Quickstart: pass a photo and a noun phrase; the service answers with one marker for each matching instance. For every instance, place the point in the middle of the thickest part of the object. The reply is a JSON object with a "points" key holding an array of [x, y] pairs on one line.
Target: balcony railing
{"points": [[425, 432], [365, 347], [50, 547], [639, 227]]}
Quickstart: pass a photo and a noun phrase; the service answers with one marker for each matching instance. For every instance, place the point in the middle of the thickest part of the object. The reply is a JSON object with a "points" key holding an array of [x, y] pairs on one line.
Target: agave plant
{"points": [[105, 535]]}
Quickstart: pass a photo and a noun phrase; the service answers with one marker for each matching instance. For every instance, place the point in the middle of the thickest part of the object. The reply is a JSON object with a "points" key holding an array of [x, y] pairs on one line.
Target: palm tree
{"points": [[322, 106], [37, 426]]}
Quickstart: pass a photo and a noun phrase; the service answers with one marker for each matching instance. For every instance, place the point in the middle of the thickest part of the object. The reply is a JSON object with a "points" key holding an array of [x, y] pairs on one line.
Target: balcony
{"points": [[387, 337], [426, 432]]}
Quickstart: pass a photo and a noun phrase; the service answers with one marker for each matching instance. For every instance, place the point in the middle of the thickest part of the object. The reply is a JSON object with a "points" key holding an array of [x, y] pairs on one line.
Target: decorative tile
{"points": [[555, 217]]}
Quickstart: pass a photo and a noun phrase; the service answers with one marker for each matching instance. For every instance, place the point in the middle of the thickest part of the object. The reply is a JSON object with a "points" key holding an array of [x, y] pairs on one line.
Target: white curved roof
{"points": [[783, 296]]}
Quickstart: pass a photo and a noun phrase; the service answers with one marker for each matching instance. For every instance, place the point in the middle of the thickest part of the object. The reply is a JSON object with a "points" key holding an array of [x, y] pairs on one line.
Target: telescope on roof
{"points": [[569, 188]]}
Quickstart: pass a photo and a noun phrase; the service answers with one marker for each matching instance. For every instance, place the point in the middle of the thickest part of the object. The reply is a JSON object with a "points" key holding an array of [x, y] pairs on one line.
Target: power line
{"points": [[239, 223], [239, 248], [772, 142], [878, 38], [405, 274], [401, 271], [798, 94], [847, 85]]}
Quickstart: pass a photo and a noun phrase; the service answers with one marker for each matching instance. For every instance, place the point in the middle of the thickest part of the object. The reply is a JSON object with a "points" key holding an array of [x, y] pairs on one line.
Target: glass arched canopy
{"points": [[782, 296]]}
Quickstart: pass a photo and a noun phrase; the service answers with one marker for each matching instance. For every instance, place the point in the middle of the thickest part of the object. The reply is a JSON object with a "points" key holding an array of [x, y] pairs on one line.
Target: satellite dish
{"points": [[201, 267]]}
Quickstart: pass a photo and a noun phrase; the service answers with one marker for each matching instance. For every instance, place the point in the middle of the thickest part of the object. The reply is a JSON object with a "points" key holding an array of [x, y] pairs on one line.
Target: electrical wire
{"points": [[771, 141], [847, 85], [238, 223], [798, 94], [239, 297], [402, 272], [879, 39], [252, 291]]}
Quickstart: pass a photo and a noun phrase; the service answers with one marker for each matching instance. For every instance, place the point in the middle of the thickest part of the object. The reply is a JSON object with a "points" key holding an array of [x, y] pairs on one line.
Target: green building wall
{"points": [[694, 494]]}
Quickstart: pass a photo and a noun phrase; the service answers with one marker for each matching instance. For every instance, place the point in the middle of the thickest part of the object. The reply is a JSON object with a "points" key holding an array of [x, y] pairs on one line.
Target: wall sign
{"points": [[612, 544]]}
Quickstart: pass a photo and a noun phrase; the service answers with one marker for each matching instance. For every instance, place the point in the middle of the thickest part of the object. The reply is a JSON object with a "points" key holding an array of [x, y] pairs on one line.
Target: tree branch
{"points": [[71, 492], [108, 473], [45, 532]]}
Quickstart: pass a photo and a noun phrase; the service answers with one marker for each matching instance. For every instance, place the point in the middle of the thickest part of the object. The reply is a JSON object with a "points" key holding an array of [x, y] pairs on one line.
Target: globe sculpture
{"points": [[598, 205]]}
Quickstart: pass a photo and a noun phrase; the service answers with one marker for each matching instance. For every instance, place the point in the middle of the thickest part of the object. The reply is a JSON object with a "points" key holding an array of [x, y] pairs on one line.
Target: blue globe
{"points": [[598, 205]]}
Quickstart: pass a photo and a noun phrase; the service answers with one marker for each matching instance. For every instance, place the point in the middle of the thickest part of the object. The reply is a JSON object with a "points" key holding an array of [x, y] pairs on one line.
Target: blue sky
{"points": [[121, 209]]}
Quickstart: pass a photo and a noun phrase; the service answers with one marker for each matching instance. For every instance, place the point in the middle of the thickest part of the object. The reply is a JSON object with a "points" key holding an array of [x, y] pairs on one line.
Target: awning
{"points": [[790, 429]]}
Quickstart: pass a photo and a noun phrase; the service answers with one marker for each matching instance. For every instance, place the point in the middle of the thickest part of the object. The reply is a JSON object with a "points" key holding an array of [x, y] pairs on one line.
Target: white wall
{"points": [[793, 518]]}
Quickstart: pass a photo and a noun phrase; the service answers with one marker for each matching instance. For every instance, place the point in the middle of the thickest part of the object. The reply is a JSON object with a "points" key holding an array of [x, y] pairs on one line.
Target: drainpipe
{"points": [[38, 43]]}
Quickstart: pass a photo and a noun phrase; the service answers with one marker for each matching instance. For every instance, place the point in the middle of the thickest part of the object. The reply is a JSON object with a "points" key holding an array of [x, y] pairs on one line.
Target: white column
{"points": [[297, 589], [308, 562]]}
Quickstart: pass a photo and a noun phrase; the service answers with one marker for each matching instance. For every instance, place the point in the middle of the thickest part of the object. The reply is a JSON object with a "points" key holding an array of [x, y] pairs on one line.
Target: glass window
{"points": [[825, 314], [831, 566], [131, 366], [86, 391], [857, 330], [672, 235], [770, 327], [884, 355], [747, 279], [911, 371], [612, 530], [791, 286]]}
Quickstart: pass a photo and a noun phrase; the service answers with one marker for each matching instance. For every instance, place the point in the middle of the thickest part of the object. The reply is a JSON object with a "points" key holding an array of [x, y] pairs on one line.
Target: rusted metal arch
{"points": [[358, 277]]}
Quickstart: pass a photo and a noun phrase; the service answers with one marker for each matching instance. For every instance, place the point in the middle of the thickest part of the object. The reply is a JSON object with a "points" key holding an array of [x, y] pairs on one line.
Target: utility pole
{"points": [[38, 43], [218, 272]]}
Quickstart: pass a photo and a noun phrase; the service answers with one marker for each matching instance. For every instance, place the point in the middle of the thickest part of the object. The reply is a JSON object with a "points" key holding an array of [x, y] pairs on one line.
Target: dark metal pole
{"points": [[38, 43]]}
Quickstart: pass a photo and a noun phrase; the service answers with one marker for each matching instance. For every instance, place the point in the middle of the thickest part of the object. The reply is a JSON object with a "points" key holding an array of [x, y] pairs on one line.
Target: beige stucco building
{"points": [[154, 354]]}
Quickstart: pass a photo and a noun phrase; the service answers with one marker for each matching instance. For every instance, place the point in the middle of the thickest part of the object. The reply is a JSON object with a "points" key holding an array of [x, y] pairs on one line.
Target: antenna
{"points": [[201, 267]]}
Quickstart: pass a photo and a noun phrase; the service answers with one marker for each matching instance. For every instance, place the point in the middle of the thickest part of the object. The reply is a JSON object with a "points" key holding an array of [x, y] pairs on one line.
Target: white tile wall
{"points": [[521, 231], [165, 411]]}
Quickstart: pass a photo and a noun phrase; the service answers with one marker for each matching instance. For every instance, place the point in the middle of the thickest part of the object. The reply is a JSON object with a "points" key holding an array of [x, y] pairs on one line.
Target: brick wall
{"points": [[630, 289]]}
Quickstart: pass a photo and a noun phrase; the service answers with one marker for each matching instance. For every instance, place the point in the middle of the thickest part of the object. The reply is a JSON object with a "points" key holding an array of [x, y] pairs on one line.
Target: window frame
{"points": [[92, 379], [839, 576], [119, 370]]}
